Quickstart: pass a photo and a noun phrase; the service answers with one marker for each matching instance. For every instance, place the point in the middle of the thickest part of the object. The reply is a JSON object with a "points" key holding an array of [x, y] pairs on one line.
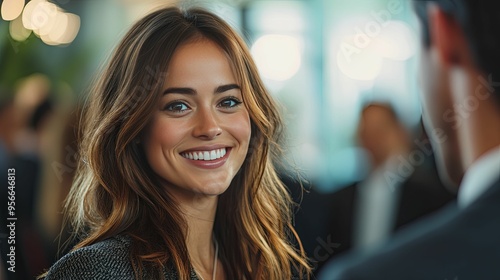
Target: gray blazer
{"points": [[107, 259]]}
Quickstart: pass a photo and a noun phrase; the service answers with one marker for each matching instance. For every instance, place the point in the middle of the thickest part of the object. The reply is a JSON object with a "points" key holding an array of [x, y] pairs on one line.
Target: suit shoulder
{"points": [[440, 247], [107, 259]]}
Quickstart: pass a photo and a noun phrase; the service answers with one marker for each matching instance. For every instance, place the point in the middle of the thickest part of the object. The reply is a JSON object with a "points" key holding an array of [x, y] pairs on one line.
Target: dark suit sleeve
{"points": [[454, 244]]}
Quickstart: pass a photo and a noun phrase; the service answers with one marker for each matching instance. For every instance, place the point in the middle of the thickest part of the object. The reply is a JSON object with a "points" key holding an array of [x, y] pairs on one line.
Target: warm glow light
{"points": [[362, 54], [358, 64], [396, 41], [50, 23], [58, 30], [17, 30], [278, 57], [72, 29], [43, 18], [11, 9], [28, 13], [65, 30]]}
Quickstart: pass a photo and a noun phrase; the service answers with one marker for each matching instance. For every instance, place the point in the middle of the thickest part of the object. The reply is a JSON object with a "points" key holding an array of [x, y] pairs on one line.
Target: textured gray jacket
{"points": [[108, 259]]}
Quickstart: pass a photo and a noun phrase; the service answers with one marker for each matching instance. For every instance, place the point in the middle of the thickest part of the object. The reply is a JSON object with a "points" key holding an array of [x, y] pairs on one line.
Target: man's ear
{"points": [[447, 37]]}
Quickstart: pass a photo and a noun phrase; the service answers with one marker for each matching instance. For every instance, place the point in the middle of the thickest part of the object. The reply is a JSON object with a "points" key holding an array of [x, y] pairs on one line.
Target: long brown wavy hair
{"points": [[116, 191]]}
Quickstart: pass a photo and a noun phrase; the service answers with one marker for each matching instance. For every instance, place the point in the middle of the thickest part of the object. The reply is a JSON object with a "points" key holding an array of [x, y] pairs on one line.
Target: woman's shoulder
{"points": [[107, 259]]}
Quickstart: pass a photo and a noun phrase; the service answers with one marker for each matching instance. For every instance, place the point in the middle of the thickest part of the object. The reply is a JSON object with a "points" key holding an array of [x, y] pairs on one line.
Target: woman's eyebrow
{"points": [[224, 88], [190, 91], [180, 90]]}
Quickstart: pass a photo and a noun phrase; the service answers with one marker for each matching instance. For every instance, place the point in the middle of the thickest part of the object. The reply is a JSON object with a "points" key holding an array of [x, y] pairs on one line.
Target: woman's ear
{"points": [[447, 37]]}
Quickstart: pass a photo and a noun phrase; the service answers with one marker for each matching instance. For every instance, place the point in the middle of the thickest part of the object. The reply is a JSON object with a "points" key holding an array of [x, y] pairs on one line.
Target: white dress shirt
{"points": [[376, 203], [479, 177]]}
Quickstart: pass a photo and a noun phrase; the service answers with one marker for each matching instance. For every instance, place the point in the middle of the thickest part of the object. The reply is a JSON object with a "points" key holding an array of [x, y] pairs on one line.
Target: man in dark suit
{"points": [[403, 186], [461, 99]]}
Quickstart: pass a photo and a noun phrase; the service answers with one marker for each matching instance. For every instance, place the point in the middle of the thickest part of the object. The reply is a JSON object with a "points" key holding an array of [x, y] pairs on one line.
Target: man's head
{"points": [[381, 132], [460, 52], [478, 20]]}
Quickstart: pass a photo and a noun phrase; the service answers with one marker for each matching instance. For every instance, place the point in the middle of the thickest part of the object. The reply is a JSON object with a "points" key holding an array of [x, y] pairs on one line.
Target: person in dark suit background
{"points": [[403, 185], [461, 99], [329, 223]]}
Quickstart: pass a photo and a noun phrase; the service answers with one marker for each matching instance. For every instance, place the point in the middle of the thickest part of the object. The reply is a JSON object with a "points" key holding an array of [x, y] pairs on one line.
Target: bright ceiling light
{"points": [[396, 41], [278, 57], [358, 63]]}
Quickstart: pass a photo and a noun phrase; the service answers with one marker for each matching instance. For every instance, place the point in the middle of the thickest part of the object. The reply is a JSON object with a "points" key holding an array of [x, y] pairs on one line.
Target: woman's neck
{"points": [[200, 216]]}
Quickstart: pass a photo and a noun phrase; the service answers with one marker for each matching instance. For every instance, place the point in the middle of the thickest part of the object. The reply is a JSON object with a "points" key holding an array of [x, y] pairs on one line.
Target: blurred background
{"points": [[324, 60]]}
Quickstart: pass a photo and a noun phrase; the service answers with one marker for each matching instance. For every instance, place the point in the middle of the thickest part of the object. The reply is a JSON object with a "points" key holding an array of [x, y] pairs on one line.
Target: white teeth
{"points": [[205, 155]]}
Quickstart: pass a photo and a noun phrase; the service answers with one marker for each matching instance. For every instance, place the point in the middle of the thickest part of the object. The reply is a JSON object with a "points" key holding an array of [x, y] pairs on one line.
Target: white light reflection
{"points": [[11, 9], [359, 64], [396, 41], [50, 23], [361, 55], [278, 57], [28, 13]]}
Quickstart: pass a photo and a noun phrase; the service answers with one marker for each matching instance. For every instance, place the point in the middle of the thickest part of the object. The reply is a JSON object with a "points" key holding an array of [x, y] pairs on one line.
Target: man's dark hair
{"points": [[480, 20], [40, 112]]}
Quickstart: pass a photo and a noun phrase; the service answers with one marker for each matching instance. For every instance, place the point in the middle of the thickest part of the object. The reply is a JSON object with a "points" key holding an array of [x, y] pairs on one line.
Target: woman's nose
{"points": [[207, 126]]}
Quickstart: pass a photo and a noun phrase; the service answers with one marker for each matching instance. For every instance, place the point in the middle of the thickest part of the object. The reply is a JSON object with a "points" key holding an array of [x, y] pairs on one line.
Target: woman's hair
{"points": [[117, 192]]}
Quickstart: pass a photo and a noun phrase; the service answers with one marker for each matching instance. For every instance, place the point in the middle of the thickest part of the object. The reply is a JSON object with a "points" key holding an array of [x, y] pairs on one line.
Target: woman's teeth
{"points": [[205, 155]]}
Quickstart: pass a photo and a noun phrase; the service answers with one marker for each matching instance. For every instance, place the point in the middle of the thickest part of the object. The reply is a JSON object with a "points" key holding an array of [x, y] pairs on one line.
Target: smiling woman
{"points": [[200, 133], [177, 179]]}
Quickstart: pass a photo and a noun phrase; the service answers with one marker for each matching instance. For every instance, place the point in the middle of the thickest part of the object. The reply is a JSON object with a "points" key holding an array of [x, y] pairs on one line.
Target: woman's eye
{"points": [[229, 103], [176, 107]]}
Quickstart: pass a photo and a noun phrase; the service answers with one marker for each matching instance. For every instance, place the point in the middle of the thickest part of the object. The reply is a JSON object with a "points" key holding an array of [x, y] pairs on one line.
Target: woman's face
{"points": [[200, 132]]}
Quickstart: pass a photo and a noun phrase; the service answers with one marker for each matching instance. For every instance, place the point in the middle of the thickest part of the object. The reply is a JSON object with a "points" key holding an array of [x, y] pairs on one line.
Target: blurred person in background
{"points": [[24, 128], [32, 93], [28, 163], [461, 100], [59, 162], [176, 179], [403, 184]]}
